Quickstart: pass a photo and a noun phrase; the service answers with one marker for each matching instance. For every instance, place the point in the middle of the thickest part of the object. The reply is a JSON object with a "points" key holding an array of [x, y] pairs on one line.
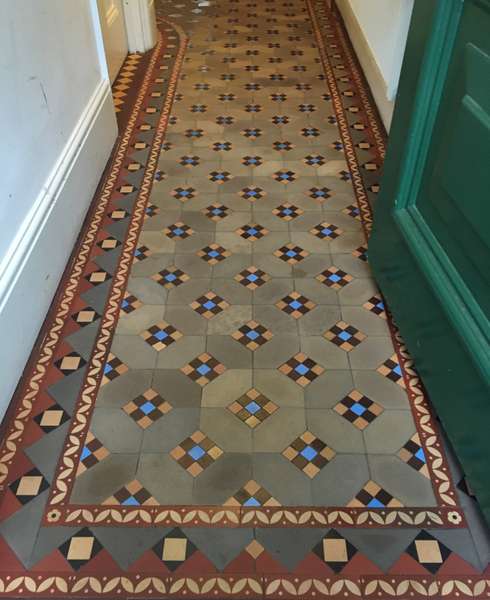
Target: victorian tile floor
{"points": [[220, 404]]}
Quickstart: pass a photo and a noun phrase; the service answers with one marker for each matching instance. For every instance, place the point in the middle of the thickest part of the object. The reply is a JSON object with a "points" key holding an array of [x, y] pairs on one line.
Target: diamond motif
{"points": [[326, 230], [108, 243], [413, 454], [98, 277], [252, 161], [252, 495], [358, 409], [113, 368], [301, 369], [320, 193], [309, 453], [30, 485], [196, 453], [334, 278], [203, 369], [219, 176], [184, 194], [252, 335], [283, 146], [253, 408], [189, 161], [170, 277], [296, 305], [174, 549], [314, 160], [92, 453], [252, 193], [70, 363], [216, 212], [252, 232], [252, 278], [353, 211], [287, 212], [51, 418], [361, 253], [291, 254], [141, 253], [213, 254], [130, 303], [178, 230], [376, 305], [80, 548], [373, 495], [132, 494], [285, 176], [209, 305], [344, 336], [392, 370], [85, 316], [147, 408], [335, 551], [161, 335], [428, 552], [221, 146], [252, 133]]}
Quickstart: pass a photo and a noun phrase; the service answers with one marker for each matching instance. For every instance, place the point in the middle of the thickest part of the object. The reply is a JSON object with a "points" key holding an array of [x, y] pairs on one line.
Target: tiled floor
{"points": [[221, 405]]}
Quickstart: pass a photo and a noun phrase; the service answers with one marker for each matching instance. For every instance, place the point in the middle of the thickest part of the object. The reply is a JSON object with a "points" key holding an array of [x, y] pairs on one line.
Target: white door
{"points": [[114, 34]]}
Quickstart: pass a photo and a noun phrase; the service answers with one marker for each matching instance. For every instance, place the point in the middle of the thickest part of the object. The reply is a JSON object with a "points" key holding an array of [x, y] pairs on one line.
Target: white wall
{"points": [[378, 30], [57, 128]]}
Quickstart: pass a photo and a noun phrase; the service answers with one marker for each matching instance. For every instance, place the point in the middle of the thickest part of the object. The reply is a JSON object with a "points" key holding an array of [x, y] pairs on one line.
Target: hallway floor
{"points": [[220, 404]]}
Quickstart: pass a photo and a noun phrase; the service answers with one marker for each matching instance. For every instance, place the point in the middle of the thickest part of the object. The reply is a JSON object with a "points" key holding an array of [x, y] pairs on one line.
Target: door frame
{"points": [[456, 299], [413, 272]]}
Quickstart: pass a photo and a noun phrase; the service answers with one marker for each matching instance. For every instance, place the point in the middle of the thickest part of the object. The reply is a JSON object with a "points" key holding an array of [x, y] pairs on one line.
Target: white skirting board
{"points": [[32, 268], [375, 79]]}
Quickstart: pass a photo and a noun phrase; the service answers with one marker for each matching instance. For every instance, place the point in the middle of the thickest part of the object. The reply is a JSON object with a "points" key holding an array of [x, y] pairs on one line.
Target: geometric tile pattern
{"points": [[252, 495], [335, 551], [209, 305], [147, 408], [80, 548], [373, 495], [345, 336], [272, 87], [252, 335], [301, 369], [334, 278], [161, 335], [174, 549], [428, 551], [309, 454], [196, 453], [391, 369], [93, 452], [253, 408], [413, 454], [30, 485], [132, 494], [203, 369], [358, 409], [296, 305], [171, 277]]}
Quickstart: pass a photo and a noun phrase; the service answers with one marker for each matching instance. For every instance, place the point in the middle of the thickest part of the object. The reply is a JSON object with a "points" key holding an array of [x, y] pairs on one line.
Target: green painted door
{"points": [[430, 249]]}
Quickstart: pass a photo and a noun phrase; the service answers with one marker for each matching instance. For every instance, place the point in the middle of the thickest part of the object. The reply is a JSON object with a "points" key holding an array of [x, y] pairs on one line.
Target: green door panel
{"points": [[430, 248]]}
